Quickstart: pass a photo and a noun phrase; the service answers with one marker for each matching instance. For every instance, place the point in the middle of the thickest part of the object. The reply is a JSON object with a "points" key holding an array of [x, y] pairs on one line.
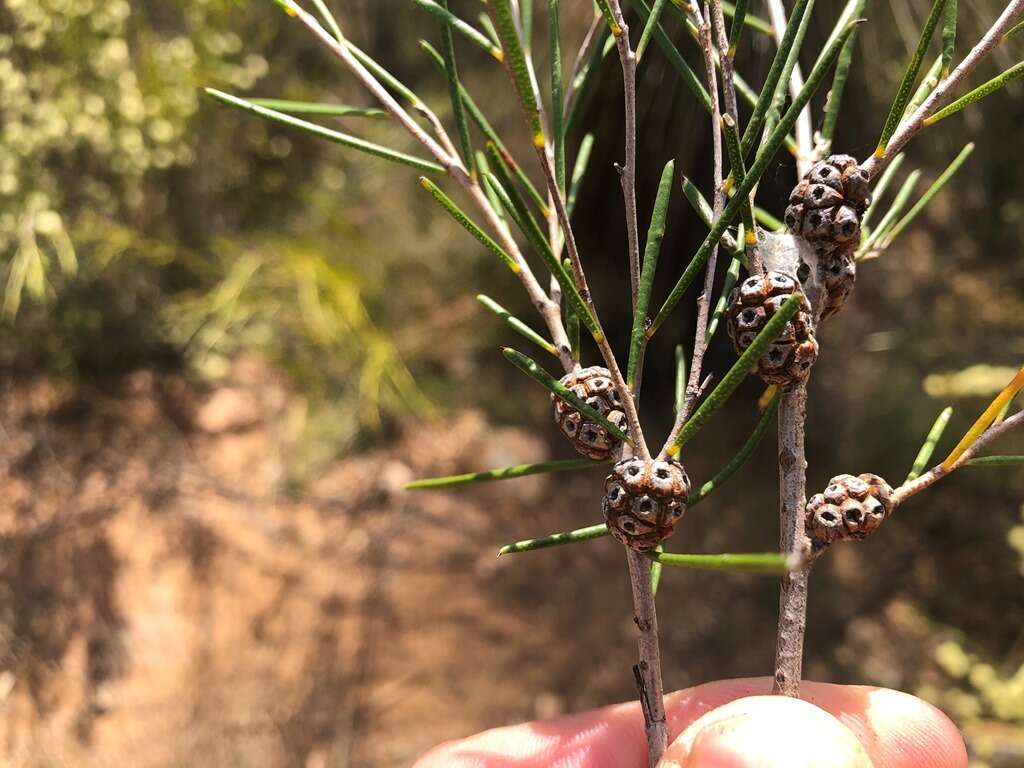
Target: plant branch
{"points": [[648, 671], [789, 644], [909, 127], [627, 174], [931, 477]]}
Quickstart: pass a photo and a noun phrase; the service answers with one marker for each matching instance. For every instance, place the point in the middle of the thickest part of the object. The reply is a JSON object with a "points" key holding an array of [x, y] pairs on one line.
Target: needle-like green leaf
{"points": [[744, 454], [928, 448], [906, 89], [516, 324], [977, 94], [556, 539], [948, 36], [782, 87], [535, 372], [675, 58], [898, 204], [515, 60], [572, 320], [526, 16], [764, 101], [739, 171], [325, 133], [879, 192], [680, 393], [328, 17], [656, 572], [930, 193], [583, 83], [489, 30], [579, 170], [1015, 30], [507, 473], [439, 8], [655, 235], [383, 75], [739, 371], [557, 115], [468, 224], [835, 93], [609, 17], [487, 130], [732, 275], [539, 241], [994, 461], [764, 156], [650, 23], [769, 564], [739, 17], [702, 208], [454, 86], [317, 108]]}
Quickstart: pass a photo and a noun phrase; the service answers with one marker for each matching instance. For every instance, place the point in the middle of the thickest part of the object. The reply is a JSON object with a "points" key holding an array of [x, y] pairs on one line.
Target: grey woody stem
{"points": [[911, 125], [648, 670], [935, 474], [803, 129], [549, 310], [627, 58], [728, 77], [704, 301], [789, 644]]}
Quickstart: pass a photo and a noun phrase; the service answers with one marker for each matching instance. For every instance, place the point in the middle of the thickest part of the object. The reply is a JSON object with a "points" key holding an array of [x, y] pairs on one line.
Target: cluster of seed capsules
{"points": [[849, 509], [825, 209]]}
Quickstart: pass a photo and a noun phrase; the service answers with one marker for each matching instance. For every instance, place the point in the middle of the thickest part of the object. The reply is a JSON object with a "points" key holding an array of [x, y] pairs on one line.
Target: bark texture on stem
{"points": [[648, 670], [789, 644]]}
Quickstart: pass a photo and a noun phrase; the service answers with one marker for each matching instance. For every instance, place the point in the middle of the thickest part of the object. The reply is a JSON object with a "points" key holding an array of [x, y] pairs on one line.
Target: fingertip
{"points": [[898, 730], [767, 732]]}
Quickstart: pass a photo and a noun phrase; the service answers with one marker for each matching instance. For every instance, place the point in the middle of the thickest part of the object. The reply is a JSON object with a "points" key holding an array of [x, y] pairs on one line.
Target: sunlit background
{"points": [[226, 346]]}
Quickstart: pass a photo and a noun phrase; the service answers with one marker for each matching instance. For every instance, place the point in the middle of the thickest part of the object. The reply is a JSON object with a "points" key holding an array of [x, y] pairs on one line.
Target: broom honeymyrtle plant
{"points": [[801, 267]]}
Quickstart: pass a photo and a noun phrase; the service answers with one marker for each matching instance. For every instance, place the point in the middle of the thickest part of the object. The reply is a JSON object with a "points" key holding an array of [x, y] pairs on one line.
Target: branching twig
{"points": [[549, 310], [789, 644], [911, 125], [935, 474], [627, 174]]}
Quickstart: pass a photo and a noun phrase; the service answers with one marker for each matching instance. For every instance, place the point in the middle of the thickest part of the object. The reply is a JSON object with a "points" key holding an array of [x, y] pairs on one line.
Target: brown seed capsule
{"points": [[594, 386], [849, 508], [789, 358], [644, 501], [825, 209]]}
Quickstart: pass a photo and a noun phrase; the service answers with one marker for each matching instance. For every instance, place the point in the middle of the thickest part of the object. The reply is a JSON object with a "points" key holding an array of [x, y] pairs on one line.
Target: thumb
{"points": [[766, 732]]}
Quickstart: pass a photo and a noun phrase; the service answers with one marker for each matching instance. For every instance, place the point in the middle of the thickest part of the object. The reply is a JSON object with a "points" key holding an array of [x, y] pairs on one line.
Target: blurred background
{"points": [[226, 347]]}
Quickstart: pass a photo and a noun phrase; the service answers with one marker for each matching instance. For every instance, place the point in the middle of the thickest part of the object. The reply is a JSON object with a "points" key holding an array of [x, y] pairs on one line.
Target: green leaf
{"points": [[515, 60], [770, 563], [468, 224], [738, 13], [454, 86], [948, 36], [741, 458], [702, 208], [535, 372], [507, 473], [977, 94], [739, 171], [329, 19], [655, 235], [906, 88], [609, 17], [732, 275], [516, 324], [928, 448], [994, 461], [556, 539], [879, 192], [835, 93], [479, 39], [739, 16], [675, 58], [898, 204], [680, 393], [325, 133], [782, 87], [656, 572], [583, 83], [931, 192], [557, 116], [579, 170], [1015, 30], [540, 243], [650, 24], [764, 101], [485, 127], [383, 75], [572, 320], [764, 156], [739, 371], [316, 108]]}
